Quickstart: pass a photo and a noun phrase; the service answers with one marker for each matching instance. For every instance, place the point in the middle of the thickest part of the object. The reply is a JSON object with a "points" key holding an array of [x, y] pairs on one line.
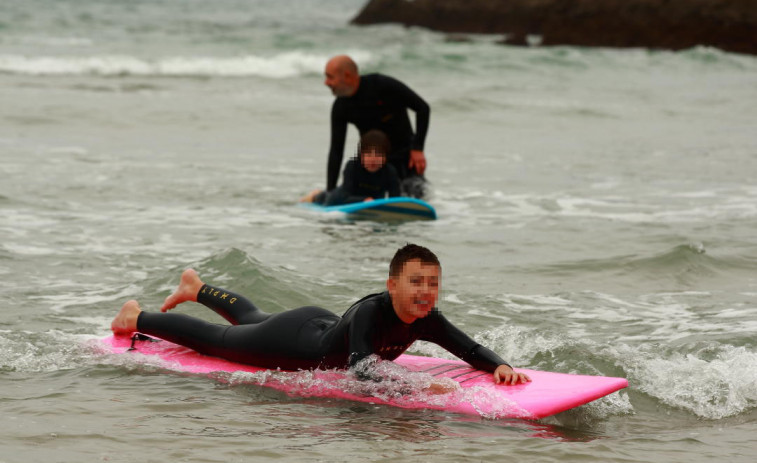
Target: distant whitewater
{"points": [[278, 66]]}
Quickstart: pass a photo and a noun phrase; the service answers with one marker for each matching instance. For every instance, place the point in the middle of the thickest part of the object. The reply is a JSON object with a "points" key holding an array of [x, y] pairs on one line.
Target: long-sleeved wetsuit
{"points": [[381, 102], [310, 337], [360, 184]]}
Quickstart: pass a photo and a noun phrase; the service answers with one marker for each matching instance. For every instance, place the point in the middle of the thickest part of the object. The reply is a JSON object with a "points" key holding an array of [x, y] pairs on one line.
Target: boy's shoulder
{"points": [[371, 302], [353, 165]]}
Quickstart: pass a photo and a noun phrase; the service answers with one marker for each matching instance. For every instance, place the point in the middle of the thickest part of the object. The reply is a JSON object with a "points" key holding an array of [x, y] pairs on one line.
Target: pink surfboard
{"points": [[547, 394]]}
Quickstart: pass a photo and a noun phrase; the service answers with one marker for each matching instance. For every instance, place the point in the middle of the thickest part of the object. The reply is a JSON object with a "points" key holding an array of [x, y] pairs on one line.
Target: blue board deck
{"points": [[398, 208]]}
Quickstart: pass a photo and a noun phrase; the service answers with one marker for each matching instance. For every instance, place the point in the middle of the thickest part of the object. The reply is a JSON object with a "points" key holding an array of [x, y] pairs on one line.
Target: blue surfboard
{"points": [[389, 209]]}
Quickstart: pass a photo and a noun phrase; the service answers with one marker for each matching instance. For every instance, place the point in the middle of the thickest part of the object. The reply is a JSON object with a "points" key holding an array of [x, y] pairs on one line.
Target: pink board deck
{"points": [[547, 394]]}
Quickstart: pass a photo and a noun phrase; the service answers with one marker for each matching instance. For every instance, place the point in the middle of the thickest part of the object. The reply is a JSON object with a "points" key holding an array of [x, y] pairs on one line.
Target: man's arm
{"points": [[395, 188], [412, 100], [336, 149]]}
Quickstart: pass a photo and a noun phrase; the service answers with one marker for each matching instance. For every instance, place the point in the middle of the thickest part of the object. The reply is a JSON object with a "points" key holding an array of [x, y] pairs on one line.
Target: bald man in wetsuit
{"points": [[378, 327], [376, 101]]}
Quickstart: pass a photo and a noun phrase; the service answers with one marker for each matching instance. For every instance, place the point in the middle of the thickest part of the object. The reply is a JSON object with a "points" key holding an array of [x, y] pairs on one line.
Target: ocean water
{"points": [[597, 215]]}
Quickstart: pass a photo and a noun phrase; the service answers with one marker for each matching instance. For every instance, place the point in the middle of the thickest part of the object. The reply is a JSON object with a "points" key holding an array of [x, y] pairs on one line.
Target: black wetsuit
{"points": [[381, 102], [360, 184], [310, 337]]}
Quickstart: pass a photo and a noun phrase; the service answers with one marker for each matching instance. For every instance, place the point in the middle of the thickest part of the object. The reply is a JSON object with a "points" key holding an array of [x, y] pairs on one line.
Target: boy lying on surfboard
{"points": [[365, 177], [378, 326]]}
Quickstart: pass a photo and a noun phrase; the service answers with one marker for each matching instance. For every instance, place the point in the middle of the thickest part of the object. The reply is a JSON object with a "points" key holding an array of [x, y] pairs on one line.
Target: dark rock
{"points": [[730, 25]]}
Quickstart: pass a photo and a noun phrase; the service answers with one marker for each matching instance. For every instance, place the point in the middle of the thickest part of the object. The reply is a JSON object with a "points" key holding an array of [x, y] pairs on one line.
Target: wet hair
{"points": [[410, 252], [375, 139]]}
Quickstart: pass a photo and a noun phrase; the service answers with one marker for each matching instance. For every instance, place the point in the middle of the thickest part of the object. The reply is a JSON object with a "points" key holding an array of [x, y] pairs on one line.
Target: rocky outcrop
{"points": [[730, 25]]}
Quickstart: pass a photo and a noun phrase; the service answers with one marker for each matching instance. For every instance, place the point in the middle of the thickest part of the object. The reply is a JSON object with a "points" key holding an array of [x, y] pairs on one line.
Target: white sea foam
{"points": [[453, 298], [651, 208], [711, 384], [34, 352], [62, 42], [532, 300], [30, 250], [20, 220], [713, 389], [709, 379], [284, 65]]}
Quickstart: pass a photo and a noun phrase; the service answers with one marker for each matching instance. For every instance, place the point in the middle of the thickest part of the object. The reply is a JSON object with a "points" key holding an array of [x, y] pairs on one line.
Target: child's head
{"points": [[413, 283], [373, 148]]}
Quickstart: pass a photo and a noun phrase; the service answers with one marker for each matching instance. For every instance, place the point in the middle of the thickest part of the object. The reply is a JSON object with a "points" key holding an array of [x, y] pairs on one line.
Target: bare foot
{"points": [[189, 286], [308, 198], [125, 322], [443, 386]]}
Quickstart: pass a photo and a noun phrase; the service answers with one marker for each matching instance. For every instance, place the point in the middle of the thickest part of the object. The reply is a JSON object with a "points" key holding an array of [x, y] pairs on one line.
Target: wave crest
{"points": [[281, 66]]}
